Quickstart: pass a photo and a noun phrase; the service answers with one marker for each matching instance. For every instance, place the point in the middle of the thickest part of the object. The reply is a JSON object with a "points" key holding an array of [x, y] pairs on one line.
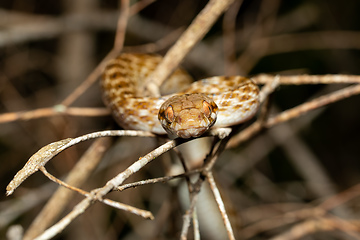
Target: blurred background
{"points": [[48, 48]]}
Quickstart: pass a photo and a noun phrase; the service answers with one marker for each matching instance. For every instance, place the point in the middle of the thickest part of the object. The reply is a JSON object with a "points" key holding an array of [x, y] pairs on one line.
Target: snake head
{"points": [[188, 115]]}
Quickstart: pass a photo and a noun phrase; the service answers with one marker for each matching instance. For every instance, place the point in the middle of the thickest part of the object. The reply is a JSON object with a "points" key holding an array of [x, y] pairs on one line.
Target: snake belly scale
{"points": [[216, 101]]}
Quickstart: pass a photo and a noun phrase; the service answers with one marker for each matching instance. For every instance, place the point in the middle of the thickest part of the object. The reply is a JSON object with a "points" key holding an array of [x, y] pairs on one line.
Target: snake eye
{"points": [[207, 109], [169, 114]]}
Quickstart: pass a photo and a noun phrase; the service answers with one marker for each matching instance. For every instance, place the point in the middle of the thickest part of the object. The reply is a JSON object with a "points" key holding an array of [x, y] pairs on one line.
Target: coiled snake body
{"points": [[217, 101]]}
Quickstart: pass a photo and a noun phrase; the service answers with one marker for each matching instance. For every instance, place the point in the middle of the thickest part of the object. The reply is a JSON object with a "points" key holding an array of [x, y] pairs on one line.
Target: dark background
{"points": [[40, 70]]}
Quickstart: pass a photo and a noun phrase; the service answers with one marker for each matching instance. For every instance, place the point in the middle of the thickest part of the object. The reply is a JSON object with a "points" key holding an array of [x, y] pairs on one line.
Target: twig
{"points": [[58, 201], [140, 5], [46, 153], [89, 81], [196, 226], [229, 45], [98, 194], [269, 88], [194, 193], [29, 27], [156, 180], [316, 225], [118, 44], [194, 188], [295, 112], [57, 228], [12, 209], [261, 47], [308, 79], [198, 28], [62, 183], [277, 221], [121, 25], [221, 205], [160, 44], [265, 23], [340, 198], [121, 206], [254, 128], [316, 103], [306, 163], [56, 110], [120, 178], [317, 212], [311, 40], [245, 134]]}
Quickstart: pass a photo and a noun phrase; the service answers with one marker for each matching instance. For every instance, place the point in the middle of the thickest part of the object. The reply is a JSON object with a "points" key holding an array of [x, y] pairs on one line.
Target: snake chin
{"points": [[191, 128], [190, 132]]}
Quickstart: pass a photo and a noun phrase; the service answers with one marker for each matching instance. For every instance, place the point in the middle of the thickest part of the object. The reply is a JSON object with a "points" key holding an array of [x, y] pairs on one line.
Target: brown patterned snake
{"points": [[216, 101]]}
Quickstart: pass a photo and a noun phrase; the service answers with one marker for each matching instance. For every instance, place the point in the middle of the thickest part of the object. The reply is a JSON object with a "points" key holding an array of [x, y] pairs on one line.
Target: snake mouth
{"points": [[193, 127], [191, 132]]}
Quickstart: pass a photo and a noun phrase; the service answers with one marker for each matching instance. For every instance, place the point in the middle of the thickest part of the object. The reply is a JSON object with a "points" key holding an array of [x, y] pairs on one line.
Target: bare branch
{"points": [[221, 205], [316, 103], [56, 110], [41, 157], [198, 28]]}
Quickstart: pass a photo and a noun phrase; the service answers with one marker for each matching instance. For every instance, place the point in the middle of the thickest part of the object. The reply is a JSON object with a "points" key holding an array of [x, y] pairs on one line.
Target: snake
{"points": [[185, 109]]}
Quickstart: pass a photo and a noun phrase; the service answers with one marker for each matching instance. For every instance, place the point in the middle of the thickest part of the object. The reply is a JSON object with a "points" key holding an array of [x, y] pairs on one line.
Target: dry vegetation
{"points": [[292, 173]]}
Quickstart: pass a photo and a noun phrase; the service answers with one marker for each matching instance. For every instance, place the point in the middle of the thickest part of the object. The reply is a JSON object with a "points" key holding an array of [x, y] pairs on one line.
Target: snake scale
{"points": [[216, 101]]}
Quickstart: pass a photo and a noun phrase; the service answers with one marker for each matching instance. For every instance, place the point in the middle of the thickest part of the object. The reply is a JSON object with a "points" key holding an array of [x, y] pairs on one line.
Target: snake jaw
{"points": [[190, 127], [191, 132]]}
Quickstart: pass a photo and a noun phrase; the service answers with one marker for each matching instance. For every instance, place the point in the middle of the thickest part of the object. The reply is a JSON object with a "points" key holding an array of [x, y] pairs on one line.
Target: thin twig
{"points": [[221, 205], [269, 88], [229, 36], [121, 25], [266, 20], [196, 226], [46, 153], [118, 44], [160, 44], [315, 225], [78, 175], [341, 198], [140, 5], [198, 28], [96, 194], [112, 184], [295, 112], [62, 183], [156, 180], [89, 81], [317, 212], [316, 103], [310, 41], [194, 189], [121, 206], [278, 221], [56, 110], [308, 79], [192, 208], [65, 221]]}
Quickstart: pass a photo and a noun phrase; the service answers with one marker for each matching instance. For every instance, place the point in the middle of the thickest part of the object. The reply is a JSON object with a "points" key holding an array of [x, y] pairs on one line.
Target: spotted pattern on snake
{"points": [[194, 108]]}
